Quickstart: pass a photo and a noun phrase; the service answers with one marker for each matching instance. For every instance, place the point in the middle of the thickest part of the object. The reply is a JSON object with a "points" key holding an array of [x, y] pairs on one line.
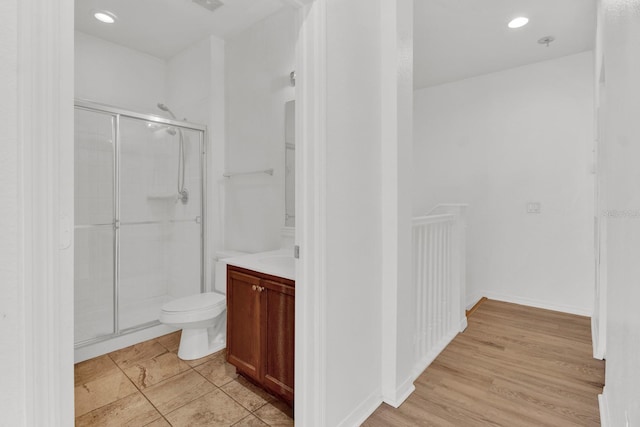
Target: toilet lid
{"points": [[195, 302]]}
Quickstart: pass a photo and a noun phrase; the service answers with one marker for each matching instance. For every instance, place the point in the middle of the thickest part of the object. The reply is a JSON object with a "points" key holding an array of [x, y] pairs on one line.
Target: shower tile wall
{"points": [[159, 239], [159, 261], [191, 83]]}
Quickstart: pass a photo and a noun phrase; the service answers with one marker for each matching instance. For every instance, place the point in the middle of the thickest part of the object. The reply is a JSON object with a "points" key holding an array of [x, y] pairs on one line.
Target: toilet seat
{"points": [[193, 308]]}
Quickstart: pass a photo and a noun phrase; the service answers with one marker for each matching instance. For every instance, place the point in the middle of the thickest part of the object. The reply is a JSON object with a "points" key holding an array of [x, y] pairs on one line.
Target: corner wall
{"points": [[502, 140], [257, 67]]}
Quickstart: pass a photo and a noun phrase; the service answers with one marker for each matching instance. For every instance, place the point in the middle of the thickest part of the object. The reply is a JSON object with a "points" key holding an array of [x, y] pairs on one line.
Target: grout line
{"points": [[140, 391], [475, 307], [109, 403], [154, 406], [106, 404], [240, 403], [191, 401]]}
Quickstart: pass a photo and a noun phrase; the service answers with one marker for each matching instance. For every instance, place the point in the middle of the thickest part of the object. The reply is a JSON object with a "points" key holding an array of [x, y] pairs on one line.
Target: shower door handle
{"points": [[198, 220]]}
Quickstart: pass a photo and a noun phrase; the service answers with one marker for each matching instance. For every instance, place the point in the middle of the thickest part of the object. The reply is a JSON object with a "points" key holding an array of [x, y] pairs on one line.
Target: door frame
{"points": [[311, 179], [46, 99], [46, 163]]}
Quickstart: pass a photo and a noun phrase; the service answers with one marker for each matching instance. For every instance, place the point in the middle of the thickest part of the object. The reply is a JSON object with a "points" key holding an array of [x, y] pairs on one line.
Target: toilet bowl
{"points": [[202, 317], [203, 320]]}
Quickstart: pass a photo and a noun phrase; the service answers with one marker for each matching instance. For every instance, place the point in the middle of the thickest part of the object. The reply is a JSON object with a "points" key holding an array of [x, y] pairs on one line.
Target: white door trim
{"points": [[45, 126], [311, 119]]}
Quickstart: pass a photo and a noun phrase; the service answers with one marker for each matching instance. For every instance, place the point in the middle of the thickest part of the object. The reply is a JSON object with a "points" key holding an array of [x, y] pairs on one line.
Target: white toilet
{"points": [[202, 317]]}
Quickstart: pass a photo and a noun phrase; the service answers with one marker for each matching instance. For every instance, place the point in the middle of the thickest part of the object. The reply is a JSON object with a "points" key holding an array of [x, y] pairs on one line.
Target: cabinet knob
{"points": [[261, 288], [254, 287]]}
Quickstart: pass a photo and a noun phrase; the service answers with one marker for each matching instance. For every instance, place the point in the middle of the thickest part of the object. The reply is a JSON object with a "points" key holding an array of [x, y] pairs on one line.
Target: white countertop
{"points": [[278, 263]]}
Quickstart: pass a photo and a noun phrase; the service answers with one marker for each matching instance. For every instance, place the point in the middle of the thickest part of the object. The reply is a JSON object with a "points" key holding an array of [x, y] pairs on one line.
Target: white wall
{"points": [[117, 75], [398, 294], [353, 210], [195, 90], [258, 63], [621, 146], [12, 336], [497, 142]]}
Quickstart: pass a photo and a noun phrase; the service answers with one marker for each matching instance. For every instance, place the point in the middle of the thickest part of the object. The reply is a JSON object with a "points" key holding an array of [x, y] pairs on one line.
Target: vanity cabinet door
{"points": [[278, 331], [244, 344]]}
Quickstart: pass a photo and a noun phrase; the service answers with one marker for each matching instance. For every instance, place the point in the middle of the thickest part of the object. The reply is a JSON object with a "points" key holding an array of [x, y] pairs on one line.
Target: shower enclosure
{"points": [[139, 210]]}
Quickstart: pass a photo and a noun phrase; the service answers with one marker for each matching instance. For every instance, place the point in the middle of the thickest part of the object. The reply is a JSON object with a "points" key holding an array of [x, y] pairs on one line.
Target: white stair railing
{"points": [[439, 269]]}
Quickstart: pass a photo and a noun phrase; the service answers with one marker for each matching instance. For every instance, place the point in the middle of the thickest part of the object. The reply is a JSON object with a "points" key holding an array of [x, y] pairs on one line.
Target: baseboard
{"points": [[423, 364], [471, 310], [401, 393], [103, 347], [363, 411], [598, 346], [538, 304], [473, 299], [603, 404], [463, 324]]}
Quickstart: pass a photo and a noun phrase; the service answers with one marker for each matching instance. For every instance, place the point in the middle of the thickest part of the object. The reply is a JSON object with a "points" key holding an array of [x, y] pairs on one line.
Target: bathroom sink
{"points": [[278, 261]]}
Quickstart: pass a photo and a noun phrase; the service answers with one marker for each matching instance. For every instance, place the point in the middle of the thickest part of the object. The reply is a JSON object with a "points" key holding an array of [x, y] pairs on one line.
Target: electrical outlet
{"points": [[533, 207]]}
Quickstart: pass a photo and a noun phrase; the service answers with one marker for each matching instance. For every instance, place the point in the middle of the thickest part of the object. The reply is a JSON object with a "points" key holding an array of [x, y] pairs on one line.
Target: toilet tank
{"points": [[220, 269]]}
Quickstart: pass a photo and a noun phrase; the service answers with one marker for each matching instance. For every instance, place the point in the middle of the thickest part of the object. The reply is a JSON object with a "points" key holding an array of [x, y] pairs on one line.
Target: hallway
{"points": [[514, 365]]}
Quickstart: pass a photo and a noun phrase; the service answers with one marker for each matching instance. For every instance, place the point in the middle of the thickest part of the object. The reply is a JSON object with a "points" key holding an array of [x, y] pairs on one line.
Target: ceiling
{"points": [[163, 28], [453, 39], [458, 39]]}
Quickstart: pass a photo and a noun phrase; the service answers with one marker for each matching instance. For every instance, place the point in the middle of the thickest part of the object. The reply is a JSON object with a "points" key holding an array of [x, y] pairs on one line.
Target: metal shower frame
{"points": [[116, 114]]}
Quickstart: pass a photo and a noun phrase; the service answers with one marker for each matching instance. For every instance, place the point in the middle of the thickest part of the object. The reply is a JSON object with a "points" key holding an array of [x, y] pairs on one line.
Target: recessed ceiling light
{"points": [[518, 22], [104, 16]]}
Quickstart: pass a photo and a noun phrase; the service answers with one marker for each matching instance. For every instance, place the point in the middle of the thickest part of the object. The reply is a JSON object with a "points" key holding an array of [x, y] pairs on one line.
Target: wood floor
{"points": [[513, 366]]}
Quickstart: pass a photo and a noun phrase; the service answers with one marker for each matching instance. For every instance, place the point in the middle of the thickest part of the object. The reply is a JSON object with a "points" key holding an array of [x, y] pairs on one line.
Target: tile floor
{"points": [[148, 385]]}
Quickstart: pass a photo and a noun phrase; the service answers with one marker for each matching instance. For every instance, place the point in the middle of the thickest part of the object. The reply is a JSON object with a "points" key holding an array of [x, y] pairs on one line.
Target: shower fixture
{"points": [[155, 127], [183, 193]]}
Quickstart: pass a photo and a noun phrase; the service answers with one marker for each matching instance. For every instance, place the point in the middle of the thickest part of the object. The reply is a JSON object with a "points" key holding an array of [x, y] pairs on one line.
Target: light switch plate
{"points": [[533, 207]]}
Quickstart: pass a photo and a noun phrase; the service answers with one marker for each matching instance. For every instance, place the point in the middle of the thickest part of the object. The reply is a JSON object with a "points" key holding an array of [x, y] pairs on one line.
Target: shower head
{"points": [[163, 107]]}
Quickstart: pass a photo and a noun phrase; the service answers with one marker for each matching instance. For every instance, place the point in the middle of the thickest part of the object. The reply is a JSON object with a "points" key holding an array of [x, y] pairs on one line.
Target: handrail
{"points": [[454, 208], [429, 219]]}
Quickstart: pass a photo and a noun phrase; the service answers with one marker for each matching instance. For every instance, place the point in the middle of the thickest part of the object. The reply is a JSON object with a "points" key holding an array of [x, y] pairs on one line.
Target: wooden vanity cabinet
{"points": [[260, 329], [244, 322]]}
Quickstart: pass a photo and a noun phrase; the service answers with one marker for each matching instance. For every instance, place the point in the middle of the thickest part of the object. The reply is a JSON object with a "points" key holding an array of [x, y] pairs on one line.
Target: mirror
{"points": [[290, 164]]}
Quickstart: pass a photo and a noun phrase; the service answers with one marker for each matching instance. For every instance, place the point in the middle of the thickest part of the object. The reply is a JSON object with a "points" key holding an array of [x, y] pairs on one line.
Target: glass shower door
{"points": [[160, 244], [94, 225]]}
